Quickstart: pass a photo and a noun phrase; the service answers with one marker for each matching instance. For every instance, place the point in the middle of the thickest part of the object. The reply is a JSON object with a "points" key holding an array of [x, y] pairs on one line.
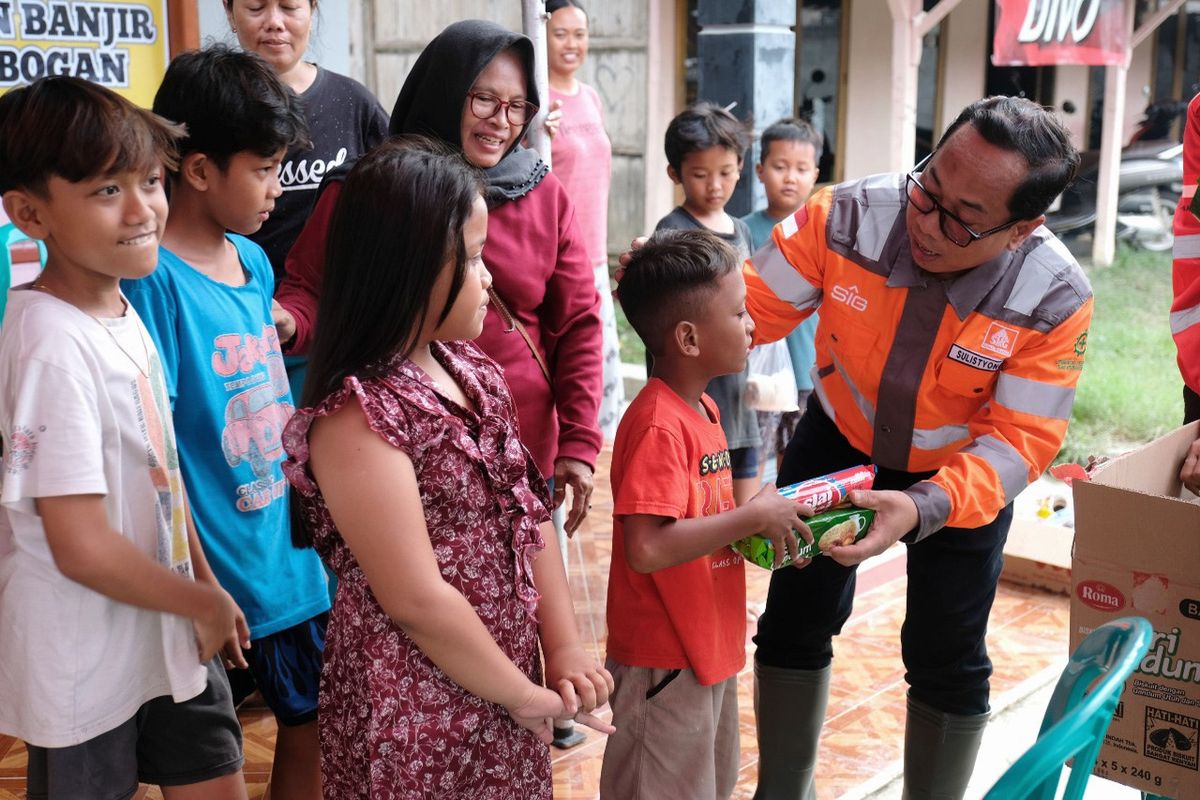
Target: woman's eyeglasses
{"points": [[952, 227], [485, 106]]}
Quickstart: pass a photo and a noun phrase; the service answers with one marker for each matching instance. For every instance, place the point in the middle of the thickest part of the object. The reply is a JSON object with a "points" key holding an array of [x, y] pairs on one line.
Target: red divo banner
{"points": [[1035, 33]]}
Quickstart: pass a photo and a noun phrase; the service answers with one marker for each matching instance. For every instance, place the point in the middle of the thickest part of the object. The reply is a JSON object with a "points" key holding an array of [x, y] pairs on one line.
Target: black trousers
{"points": [[952, 578], [1191, 405]]}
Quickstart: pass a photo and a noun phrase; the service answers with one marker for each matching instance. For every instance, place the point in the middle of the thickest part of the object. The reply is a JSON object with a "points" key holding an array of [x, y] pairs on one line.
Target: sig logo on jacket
{"points": [[1100, 595], [849, 296], [1000, 339]]}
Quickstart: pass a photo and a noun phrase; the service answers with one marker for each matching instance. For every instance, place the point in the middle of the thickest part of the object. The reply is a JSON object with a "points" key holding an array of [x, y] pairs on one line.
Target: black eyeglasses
{"points": [[485, 106], [952, 227]]}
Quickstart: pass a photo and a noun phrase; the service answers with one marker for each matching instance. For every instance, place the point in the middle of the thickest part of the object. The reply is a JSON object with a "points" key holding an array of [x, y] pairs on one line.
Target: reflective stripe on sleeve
{"points": [[1184, 319], [1004, 458], [783, 279], [1034, 397], [937, 438], [1186, 246]]}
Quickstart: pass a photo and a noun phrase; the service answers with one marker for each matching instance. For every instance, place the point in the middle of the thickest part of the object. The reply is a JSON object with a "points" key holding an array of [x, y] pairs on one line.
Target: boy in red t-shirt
{"points": [[676, 592]]}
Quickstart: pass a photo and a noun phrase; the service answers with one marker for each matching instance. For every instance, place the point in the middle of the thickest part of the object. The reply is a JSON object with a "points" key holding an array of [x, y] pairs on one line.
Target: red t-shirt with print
{"points": [[669, 461]]}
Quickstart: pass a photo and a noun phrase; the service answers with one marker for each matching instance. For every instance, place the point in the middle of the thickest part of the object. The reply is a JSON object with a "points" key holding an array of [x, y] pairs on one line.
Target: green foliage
{"points": [[1130, 390]]}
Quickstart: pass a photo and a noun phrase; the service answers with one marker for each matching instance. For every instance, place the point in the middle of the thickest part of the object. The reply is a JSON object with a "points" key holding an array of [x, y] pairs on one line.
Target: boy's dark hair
{"points": [[670, 277], [555, 5], [1021, 125], [231, 101], [76, 129], [792, 130], [701, 126]]}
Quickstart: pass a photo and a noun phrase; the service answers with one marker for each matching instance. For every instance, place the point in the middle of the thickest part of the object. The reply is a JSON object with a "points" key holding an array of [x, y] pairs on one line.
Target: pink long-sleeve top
{"points": [[541, 270]]}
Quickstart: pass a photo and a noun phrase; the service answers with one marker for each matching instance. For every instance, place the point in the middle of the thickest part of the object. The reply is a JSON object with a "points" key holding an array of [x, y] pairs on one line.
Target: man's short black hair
{"points": [[231, 102], [669, 278], [792, 130], [1021, 125], [75, 129], [701, 126]]}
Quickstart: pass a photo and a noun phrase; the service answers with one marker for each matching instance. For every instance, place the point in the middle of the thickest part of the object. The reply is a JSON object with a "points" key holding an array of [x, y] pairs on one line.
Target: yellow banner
{"points": [[121, 44]]}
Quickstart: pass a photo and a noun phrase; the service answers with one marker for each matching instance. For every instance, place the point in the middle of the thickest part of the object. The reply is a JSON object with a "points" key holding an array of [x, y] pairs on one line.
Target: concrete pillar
{"points": [[747, 54]]}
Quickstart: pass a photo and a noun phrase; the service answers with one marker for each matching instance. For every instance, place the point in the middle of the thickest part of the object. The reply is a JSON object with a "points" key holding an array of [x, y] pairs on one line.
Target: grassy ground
{"points": [[1129, 392]]}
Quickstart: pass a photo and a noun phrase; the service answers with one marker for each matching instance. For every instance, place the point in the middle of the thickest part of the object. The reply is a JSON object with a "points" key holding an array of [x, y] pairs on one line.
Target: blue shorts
{"points": [[286, 668], [744, 462]]}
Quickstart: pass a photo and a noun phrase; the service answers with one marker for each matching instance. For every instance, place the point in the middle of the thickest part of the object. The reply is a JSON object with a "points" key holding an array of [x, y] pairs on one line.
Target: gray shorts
{"points": [[165, 743], [675, 738]]}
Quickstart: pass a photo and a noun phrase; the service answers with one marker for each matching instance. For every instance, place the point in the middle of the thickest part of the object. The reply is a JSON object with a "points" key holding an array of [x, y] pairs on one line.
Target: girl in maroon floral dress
{"points": [[417, 492]]}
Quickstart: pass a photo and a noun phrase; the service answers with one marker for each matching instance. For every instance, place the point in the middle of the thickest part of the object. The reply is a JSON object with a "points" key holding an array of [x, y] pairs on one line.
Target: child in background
{"points": [[676, 592], [787, 168], [418, 493], [208, 307], [107, 642], [705, 145]]}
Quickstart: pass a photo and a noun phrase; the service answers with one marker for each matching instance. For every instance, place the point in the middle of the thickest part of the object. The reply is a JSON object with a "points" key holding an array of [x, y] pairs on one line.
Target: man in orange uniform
{"points": [[951, 336], [1185, 279]]}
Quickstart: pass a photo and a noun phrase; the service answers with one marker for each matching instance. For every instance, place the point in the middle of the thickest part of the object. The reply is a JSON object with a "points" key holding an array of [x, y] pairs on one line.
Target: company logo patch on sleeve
{"points": [[791, 225], [972, 359], [1000, 339]]}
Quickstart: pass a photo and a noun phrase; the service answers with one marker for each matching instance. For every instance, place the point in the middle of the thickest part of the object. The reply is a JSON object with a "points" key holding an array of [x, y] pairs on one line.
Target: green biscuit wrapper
{"points": [[833, 526]]}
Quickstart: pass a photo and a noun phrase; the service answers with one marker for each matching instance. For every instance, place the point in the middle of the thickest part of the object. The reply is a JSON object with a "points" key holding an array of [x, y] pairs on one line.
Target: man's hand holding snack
{"points": [[895, 515]]}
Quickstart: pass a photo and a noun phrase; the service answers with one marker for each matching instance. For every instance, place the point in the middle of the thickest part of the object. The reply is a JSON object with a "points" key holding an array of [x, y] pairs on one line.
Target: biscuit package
{"points": [[840, 526], [828, 491]]}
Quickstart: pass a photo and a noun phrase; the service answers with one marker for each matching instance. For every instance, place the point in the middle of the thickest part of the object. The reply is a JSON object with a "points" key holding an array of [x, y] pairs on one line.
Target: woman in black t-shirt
{"points": [[344, 118]]}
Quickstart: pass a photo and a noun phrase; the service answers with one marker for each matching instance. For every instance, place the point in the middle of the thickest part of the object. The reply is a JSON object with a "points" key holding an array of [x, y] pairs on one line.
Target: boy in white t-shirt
{"points": [[110, 617]]}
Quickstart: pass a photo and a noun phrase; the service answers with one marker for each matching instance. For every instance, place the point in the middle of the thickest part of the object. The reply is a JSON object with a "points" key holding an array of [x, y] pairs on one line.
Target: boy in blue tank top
{"points": [[208, 308]]}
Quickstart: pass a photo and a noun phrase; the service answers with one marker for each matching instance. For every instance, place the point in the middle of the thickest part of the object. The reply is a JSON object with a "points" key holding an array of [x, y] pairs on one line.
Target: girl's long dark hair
{"points": [[397, 221]]}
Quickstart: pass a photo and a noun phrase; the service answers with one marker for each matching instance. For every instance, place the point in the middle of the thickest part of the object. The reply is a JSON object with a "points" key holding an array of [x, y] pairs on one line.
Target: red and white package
{"points": [[827, 491]]}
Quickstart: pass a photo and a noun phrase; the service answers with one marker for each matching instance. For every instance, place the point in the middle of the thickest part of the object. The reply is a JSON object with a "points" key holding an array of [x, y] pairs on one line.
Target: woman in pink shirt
{"points": [[581, 156]]}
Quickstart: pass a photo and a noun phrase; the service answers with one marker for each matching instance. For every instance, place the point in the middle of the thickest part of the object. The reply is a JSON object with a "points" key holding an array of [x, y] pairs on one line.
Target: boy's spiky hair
{"points": [[704, 125], [669, 278], [75, 129], [231, 102]]}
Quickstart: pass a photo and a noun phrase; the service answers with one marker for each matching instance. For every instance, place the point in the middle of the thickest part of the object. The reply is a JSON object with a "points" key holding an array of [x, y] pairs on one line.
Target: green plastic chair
{"points": [[10, 235], [1078, 714]]}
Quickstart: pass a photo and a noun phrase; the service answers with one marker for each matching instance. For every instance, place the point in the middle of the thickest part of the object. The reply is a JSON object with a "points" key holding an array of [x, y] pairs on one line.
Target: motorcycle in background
{"points": [[1149, 185]]}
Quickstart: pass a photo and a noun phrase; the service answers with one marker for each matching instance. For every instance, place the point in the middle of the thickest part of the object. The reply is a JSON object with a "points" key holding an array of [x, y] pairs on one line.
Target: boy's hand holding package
{"points": [[781, 519]]}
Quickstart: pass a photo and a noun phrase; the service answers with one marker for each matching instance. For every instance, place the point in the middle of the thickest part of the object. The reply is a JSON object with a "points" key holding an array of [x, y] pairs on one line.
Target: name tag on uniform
{"points": [[972, 359]]}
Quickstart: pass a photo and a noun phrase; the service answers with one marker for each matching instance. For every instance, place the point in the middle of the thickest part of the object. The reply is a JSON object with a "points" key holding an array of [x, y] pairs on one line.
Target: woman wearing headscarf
{"points": [[472, 88]]}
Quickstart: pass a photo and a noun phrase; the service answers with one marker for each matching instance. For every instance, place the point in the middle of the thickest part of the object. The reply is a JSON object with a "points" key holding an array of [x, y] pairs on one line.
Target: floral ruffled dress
{"points": [[392, 724]]}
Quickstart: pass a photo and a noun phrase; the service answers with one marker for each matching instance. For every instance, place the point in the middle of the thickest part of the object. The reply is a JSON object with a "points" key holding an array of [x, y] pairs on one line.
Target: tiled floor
{"points": [[862, 743]]}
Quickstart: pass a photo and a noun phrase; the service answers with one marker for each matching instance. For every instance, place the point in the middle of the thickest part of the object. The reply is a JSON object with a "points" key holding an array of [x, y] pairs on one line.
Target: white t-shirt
{"points": [[78, 416]]}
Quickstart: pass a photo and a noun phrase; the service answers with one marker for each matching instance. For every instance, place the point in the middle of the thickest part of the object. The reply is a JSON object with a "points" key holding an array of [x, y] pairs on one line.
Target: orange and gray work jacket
{"points": [[1185, 269], [971, 377]]}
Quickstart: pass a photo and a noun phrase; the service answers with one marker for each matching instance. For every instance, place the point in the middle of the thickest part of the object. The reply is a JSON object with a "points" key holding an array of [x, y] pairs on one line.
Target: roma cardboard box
{"points": [[1137, 553]]}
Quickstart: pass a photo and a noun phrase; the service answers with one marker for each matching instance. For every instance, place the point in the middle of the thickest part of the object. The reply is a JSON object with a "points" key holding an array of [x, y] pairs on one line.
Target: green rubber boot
{"points": [[789, 707], [939, 752]]}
